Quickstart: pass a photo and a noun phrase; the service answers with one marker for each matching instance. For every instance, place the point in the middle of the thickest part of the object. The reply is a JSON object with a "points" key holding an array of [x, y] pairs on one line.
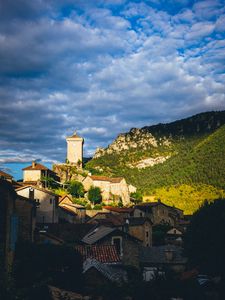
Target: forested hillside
{"points": [[189, 155]]}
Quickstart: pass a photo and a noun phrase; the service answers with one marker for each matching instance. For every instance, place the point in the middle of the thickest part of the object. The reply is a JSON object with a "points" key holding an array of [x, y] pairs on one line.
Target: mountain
{"points": [[186, 156]]}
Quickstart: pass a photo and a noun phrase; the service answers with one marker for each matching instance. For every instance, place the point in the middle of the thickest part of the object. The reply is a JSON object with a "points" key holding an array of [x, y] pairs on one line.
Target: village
{"points": [[118, 241], [111, 235]]}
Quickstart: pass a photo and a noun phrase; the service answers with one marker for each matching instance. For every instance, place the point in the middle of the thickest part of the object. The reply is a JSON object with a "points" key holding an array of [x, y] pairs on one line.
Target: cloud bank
{"points": [[102, 67]]}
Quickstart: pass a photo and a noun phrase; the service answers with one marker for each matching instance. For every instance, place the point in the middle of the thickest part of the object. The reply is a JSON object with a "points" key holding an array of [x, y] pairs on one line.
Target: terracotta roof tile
{"points": [[102, 253], [119, 209], [36, 167]]}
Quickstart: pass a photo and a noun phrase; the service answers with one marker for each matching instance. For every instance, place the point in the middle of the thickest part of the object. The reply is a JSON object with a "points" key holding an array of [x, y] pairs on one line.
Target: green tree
{"points": [[94, 195], [205, 238], [76, 189]]}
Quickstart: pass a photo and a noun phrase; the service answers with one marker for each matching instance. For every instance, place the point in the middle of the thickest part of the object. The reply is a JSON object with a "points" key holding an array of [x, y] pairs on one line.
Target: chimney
{"points": [[33, 164], [169, 254]]}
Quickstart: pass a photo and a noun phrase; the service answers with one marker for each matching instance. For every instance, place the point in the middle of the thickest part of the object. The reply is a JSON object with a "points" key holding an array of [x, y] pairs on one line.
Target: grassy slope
{"points": [[196, 173]]}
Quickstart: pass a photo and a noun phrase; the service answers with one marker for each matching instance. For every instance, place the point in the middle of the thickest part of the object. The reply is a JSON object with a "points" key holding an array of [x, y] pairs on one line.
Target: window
{"points": [[146, 233], [141, 214], [117, 241], [50, 201]]}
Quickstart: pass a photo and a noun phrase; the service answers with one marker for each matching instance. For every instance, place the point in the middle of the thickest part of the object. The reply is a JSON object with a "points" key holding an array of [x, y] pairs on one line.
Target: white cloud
{"points": [[102, 71]]}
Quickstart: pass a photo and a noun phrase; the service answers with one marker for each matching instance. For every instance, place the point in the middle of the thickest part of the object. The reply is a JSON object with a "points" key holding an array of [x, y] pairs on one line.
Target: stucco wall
{"points": [[47, 209], [31, 175]]}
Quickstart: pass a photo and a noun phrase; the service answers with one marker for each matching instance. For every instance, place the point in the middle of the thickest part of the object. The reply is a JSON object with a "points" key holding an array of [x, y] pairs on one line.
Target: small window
{"points": [[50, 201], [146, 233], [141, 214]]}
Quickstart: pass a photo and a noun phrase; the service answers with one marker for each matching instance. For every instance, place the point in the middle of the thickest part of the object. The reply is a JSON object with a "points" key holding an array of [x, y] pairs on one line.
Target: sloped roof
{"points": [[113, 274], [97, 234], [69, 232], [74, 135], [68, 209], [119, 209], [107, 219], [5, 175], [105, 178], [36, 188], [137, 221], [102, 253], [36, 167], [154, 204]]}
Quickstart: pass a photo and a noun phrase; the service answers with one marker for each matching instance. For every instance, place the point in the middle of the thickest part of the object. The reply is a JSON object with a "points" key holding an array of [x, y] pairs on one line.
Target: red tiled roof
{"points": [[67, 208], [6, 175], [102, 253], [36, 167], [105, 178], [119, 209]]}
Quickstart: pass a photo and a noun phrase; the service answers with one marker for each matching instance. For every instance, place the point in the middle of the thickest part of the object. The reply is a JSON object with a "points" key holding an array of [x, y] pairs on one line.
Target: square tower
{"points": [[75, 149]]}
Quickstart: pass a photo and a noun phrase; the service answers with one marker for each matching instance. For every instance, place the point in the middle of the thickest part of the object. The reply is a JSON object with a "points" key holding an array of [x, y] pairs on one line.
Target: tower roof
{"points": [[74, 136]]}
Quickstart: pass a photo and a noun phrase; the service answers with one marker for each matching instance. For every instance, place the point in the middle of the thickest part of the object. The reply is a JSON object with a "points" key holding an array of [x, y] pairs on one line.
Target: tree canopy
{"points": [[94, 195], [76, 189], [205, 238]]}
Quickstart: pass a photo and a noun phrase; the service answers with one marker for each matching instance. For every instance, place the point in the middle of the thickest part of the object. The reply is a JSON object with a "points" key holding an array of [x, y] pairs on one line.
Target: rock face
{"points": [[135, 139], [67, 172], [149, 162], [155, 140]]}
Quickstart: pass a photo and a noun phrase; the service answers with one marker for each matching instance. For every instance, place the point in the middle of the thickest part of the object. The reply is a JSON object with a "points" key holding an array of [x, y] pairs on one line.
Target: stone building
{"points": [[141, 228], [47, 203], [71, 212], [34, 173], [110, 187], [159, 212], [127, 246], [75, 149]]}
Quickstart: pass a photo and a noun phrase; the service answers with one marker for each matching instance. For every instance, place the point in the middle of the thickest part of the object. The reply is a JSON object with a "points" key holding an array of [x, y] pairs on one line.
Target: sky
{"points": [[101, 68]]}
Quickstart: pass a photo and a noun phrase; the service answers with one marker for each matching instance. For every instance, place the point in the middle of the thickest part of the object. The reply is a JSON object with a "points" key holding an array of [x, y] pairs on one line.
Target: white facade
{"points": [[74, 149], [47, 210]]}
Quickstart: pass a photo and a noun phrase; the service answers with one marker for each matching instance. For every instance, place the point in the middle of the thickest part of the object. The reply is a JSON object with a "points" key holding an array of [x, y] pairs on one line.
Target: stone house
{"points": [[111, 187], [159, 212], [127, 246], [140, 228], [34, 173], [47, 203], [71, 212]]}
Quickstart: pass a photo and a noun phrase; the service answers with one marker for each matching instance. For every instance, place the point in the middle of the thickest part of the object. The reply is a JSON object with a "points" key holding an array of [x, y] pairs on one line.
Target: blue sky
{"points": [[103, 67]]}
